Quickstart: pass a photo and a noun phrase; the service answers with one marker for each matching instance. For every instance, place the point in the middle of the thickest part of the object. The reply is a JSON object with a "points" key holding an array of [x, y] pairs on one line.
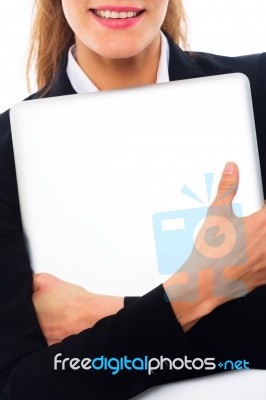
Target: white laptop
{"points": [[107, 180]]}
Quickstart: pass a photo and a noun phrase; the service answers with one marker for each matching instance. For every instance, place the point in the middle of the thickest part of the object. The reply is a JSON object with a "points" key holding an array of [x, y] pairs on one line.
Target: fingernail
{"points": [[229, 168]]}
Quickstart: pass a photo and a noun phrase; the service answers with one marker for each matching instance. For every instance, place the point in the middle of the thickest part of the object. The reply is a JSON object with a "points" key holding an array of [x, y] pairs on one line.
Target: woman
{"points": [[115, 51]]}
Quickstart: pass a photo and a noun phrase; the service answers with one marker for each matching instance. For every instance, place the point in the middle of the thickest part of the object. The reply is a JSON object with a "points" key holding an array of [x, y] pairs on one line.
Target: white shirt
{"points": [[82, 83]]}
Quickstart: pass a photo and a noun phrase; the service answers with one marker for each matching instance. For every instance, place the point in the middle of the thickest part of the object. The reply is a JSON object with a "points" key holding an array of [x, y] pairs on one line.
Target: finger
{"points": [[228, 186]]}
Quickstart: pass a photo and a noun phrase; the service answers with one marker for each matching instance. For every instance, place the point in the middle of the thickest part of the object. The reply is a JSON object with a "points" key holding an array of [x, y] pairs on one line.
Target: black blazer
{"points": [[146, 325]]}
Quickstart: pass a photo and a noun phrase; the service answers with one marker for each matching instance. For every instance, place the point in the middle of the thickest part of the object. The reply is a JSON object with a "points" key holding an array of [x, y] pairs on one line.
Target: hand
{"points": [[64, 309], [228, 259]]}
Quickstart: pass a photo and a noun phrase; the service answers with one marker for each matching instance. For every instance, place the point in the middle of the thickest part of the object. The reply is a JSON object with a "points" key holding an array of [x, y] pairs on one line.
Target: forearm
{"points": [[147, 327]]}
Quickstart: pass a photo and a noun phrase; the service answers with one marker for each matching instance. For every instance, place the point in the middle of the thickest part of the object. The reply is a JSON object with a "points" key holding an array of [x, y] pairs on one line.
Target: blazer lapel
{"points": [[61, 85]]}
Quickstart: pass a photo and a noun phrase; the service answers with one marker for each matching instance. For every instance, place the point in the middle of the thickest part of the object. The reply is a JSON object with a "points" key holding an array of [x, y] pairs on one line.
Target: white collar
{"points": [[82, 83]]}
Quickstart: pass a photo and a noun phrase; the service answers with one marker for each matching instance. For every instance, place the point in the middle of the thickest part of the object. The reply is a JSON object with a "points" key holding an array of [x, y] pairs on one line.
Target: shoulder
{"points": [[202, 64], [252, 65], [210, 61], [5, 127], [191, 64]]}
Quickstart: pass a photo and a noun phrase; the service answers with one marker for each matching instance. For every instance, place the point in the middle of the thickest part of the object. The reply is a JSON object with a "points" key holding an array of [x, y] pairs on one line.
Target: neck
{"points": [[108, 73]]}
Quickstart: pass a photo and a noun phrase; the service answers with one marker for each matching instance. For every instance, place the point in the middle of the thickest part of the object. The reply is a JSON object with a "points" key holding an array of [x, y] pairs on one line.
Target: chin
{"points": [[119, 50], [118, 55]]}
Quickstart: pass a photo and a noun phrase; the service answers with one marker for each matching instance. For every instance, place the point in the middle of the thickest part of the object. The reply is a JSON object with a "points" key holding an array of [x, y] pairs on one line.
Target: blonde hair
{"points": [[51, 37]]}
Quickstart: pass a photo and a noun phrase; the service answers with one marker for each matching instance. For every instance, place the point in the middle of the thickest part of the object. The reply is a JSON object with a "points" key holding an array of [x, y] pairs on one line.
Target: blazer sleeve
{"points": [[130, 299], [263, 77], [147, 326]]}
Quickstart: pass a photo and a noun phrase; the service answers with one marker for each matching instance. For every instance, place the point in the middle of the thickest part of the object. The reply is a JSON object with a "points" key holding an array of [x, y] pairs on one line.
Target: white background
{"points": [[229, 27]]}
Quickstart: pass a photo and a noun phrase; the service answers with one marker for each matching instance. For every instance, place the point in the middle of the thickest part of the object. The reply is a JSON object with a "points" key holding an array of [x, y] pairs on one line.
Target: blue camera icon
{"points": [[174, 234]]}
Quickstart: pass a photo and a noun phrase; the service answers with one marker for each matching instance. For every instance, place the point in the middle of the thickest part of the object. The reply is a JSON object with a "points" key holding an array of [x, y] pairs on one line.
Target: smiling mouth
{"points": [[109, 14]]}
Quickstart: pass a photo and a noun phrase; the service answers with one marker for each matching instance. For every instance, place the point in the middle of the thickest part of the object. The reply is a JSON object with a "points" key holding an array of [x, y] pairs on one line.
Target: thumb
{"points": [[228, 185]]}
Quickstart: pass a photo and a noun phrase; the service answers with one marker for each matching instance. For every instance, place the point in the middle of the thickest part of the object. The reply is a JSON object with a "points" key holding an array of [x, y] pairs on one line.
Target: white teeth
{"points": [[115, 15]]}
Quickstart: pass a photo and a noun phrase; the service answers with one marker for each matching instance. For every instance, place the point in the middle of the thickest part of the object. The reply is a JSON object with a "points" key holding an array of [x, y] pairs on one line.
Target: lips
{"points": [[118, 9], [115, 17], [114, 12]]}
